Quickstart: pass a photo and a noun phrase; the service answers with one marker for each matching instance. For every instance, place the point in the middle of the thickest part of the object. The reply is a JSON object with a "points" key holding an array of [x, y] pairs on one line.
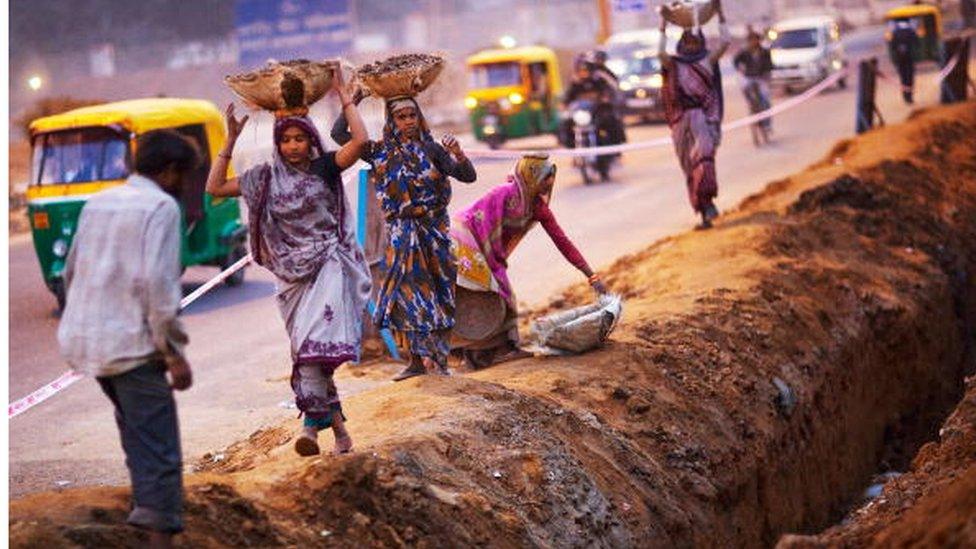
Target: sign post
{"points": [[286, 29]]}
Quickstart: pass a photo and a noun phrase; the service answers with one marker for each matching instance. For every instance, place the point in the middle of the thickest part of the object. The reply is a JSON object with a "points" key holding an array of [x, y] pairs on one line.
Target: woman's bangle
{"points": [[594, 278], [224, 155], [346, 105]]}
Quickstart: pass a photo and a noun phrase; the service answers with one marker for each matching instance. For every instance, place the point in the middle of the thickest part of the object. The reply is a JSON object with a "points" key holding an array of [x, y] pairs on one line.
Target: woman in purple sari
{"points": [[302, 230], [692, 95]]}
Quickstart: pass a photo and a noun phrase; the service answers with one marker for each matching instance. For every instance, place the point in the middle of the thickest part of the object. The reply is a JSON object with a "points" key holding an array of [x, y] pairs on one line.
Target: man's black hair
{"points": [[158, 149]]}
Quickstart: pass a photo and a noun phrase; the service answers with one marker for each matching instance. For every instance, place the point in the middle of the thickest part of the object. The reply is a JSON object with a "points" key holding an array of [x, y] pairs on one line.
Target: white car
{"points": [[805, 51]]}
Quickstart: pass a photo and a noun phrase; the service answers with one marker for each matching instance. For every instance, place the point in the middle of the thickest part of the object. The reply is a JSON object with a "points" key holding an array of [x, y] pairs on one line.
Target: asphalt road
{"points": [[238, 347]]}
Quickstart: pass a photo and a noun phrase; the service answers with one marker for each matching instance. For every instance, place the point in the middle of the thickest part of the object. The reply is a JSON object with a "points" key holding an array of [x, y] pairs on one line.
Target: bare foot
{"points": [[343, 442], [343, 445], [435, 367]]}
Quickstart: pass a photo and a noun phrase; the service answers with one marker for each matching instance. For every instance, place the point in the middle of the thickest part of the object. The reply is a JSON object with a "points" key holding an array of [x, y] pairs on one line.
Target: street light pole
{"points": [[606, 20]]}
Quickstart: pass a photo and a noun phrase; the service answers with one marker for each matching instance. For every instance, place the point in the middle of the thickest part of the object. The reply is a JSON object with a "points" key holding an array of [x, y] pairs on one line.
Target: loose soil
{"points": [[763, 373]]}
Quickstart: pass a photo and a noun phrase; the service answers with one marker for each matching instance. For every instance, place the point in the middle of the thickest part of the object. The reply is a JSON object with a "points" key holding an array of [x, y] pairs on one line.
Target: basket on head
{"points": [[683, 12], [400, 75], [287, 86]]}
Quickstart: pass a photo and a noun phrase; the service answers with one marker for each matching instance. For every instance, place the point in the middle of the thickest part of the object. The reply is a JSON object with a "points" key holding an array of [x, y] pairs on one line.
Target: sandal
{"points": [[307, 447]]}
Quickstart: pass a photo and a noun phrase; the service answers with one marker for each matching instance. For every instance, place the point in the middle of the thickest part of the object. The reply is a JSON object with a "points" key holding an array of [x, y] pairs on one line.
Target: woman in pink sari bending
{"points": [[486, 233]]}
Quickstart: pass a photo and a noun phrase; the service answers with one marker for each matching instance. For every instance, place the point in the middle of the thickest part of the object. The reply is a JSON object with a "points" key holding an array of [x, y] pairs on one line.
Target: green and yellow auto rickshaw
{"points": [[81, 152], [927, 20], [513, 92]]}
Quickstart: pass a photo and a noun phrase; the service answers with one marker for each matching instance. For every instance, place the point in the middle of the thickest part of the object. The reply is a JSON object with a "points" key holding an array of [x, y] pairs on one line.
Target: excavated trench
{"points": [[763, 373]]}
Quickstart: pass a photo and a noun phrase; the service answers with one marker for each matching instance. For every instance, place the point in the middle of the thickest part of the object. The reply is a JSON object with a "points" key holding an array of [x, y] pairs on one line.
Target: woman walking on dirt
{"points": [[692, 95], [416, 298], [302, 231], [485, 235]]}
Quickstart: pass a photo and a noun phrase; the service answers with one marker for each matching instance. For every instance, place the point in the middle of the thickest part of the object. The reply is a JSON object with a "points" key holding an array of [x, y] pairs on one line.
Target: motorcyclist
{"points": [[587, 85]]}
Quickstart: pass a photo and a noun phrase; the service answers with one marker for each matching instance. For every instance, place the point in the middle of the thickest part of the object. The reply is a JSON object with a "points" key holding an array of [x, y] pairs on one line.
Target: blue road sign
{"points": [[631, 5], [289, 29]]}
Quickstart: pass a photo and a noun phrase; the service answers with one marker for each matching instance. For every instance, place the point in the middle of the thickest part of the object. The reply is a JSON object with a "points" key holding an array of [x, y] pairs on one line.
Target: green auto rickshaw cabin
{"points": [[81, 152], [522, 85], [927, 20]]}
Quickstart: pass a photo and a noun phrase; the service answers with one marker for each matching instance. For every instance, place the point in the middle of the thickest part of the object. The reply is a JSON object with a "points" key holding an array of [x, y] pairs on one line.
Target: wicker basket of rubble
{"points": [[400, 75], [577, 330], [689, 13], [289, 85]]}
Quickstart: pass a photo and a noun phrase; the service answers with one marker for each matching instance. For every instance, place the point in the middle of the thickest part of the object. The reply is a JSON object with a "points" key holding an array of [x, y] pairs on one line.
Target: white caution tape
{"points": [[666, 141], [68, 378]]}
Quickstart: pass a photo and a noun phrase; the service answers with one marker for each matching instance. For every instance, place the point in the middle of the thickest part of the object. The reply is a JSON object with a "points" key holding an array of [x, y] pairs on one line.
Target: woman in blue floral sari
{"points": [[416, 297]]}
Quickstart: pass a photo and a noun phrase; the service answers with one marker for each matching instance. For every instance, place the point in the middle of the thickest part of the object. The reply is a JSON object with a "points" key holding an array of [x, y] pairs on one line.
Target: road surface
{"points": [[239, 350]]}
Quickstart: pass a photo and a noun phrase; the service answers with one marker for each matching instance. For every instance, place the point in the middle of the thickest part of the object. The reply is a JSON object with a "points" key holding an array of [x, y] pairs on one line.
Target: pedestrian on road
{"points": [[904, 43], [693, 103], [416, 299], [485, 234], [120, 323], [303, 231]]}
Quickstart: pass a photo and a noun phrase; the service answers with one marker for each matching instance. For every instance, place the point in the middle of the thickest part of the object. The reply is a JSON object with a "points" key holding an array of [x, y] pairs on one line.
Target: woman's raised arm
{"points": [[218, 184]]}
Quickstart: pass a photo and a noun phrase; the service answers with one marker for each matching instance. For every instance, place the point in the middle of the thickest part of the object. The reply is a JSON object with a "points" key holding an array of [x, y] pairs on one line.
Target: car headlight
{"points": [[582, 118], [470, 102], [60, 248], [626, 86], [656, 81]]}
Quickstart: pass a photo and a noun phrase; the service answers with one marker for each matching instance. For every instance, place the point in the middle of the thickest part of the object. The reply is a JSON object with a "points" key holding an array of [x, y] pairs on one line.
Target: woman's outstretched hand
{"points": [[451, 144], [598, 287], [234, 126]]}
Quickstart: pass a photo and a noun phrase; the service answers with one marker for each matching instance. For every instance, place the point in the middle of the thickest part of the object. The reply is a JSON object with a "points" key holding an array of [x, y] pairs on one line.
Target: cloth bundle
{"points": [[577, 330]]}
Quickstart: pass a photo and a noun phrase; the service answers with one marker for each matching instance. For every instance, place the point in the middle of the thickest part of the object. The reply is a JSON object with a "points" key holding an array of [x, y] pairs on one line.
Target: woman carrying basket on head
{"points": [[485, 234], [693, 105], [411, 170], [302, 230]]}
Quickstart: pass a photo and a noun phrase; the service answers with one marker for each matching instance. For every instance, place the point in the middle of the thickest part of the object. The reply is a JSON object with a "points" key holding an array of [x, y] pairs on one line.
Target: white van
{"points": [[805, 51]]}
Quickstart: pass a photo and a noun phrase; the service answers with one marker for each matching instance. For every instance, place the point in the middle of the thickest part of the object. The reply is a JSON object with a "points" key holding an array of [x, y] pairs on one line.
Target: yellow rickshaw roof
{"points": [[501, 55], [136, 115], [906, 12]]}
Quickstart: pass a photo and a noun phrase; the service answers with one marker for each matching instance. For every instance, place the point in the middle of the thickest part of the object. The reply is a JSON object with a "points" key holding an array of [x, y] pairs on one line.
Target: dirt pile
{"points": [[763, 373]]}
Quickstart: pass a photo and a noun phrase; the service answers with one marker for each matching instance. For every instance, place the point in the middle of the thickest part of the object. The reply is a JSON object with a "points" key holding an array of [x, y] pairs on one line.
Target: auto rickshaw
{"points": [[513, 93], [81, 152], [927, 20]]}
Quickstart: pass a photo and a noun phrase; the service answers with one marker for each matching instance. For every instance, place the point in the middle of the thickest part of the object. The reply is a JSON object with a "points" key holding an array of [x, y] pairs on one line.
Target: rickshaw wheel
{"points": [[235, 255]]}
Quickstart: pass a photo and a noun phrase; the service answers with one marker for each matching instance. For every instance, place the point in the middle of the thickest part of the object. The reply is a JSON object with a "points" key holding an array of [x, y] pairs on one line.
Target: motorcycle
{"points": [[493, 129], [588, 132]]}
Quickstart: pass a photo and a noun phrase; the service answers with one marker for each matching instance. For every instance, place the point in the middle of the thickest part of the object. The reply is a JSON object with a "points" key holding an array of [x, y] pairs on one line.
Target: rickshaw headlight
{"points": [[60, 248], [516, 98], [470, 102], [582, 118]]}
